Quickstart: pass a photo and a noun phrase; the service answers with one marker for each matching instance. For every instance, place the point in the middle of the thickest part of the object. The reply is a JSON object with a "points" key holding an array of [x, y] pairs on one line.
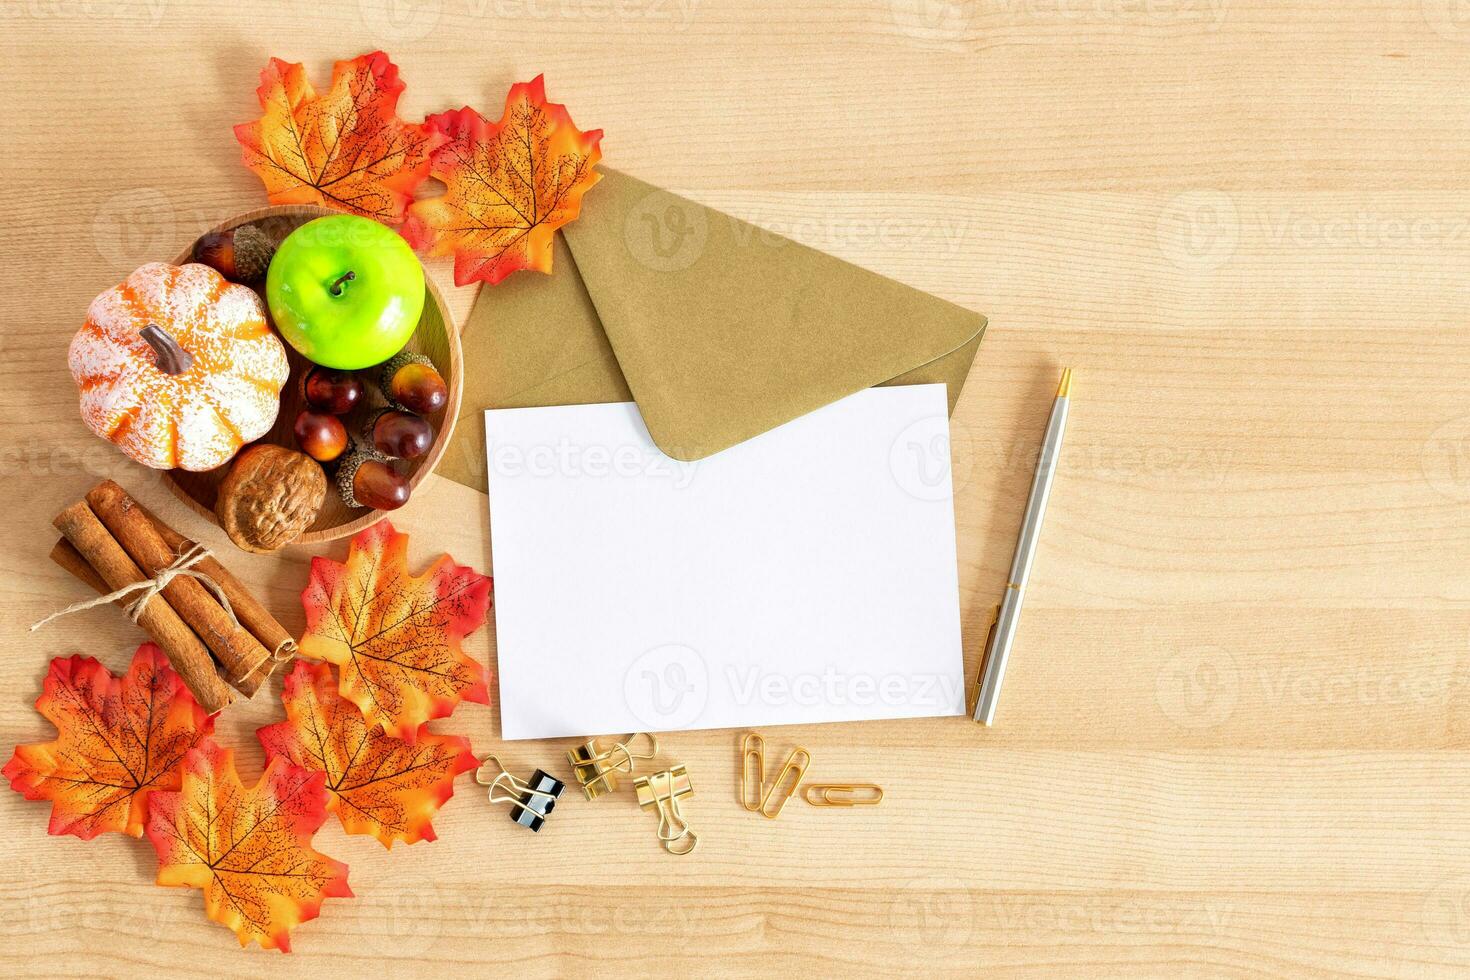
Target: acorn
{"points": [[329, 390], [240, 254], [411, 382], [321, 436], [368, 479], [397, 434]]}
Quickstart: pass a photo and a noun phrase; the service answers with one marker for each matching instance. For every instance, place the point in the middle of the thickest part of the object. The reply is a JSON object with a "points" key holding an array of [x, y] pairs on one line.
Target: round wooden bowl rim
{"points": [[451, 410]]}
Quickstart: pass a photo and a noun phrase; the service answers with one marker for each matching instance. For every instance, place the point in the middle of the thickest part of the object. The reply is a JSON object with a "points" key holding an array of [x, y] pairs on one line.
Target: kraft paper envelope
{"points": [[717, 329]]}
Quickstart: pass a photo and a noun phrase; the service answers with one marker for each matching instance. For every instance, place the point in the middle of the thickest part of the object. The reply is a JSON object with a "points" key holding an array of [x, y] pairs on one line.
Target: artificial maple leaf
{"points": [[249, 850], [118, 740], [395, 638], [379, 785], [509, 185], [346, 149]]}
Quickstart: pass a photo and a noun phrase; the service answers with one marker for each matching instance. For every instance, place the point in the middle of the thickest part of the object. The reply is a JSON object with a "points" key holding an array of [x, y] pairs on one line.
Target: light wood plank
{"points": [[1233, 736]]}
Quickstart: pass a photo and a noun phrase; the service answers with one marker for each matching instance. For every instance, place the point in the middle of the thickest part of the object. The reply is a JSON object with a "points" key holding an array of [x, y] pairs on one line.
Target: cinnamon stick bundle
{"points": [[188, 656], [256, 618], [238, 652], [245, 645]]}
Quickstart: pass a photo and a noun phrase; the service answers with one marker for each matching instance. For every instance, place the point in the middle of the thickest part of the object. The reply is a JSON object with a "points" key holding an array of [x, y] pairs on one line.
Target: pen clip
{"points": [[984, 658]]}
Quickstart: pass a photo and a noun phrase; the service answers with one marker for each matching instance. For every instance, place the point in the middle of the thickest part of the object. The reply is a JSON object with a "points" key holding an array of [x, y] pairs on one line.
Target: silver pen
{"points": [[1003, 632]]}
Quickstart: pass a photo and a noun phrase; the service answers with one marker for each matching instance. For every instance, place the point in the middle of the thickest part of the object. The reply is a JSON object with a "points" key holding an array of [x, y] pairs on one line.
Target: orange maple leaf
{"points": [[249, 850], [380, 785], [395, 638], [118, 740], [509, 185], [346, 149]]}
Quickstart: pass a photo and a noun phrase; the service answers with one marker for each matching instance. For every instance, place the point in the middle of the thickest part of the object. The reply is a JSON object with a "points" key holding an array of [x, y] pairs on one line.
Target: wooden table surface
{"points": [[1234, 736]]}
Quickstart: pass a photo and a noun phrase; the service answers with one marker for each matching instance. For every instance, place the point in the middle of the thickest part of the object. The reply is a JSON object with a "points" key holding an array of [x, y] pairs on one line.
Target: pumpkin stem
{"points": [[345, 277], [171, 358]]}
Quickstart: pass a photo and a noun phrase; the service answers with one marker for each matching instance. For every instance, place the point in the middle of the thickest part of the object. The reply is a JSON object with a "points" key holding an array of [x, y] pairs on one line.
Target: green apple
{"points": [[345, 291]]}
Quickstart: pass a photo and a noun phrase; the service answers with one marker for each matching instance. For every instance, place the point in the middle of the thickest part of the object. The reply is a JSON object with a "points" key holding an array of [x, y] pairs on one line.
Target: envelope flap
{"points": [[724, 331], [530, 341]]}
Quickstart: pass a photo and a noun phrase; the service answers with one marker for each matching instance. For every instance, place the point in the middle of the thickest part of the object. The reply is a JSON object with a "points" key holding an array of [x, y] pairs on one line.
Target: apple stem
{"points": [[345, 277]]}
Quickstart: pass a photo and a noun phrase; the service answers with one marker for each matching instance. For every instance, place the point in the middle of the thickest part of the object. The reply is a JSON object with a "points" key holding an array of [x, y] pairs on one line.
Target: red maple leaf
{"points": [[118, 740], [394, 637], [346, 149], [248, 850], [508, 185], [379, 785]]}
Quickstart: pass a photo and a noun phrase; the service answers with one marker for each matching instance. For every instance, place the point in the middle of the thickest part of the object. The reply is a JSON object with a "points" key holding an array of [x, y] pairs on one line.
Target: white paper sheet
{"points": [[805, 575]]}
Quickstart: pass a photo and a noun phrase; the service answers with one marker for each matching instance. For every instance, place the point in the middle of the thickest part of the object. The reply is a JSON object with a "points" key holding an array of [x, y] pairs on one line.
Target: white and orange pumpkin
{"points": [[178, 367]]}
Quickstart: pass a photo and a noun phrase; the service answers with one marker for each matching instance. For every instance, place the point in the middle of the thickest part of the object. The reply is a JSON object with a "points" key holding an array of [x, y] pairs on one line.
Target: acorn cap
{"points": [[254, 250], [390, 368], [358, 455]]}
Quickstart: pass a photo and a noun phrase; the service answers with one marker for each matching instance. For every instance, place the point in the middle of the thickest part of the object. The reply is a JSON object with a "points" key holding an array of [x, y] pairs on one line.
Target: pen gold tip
{"points": [[1064, 390]]}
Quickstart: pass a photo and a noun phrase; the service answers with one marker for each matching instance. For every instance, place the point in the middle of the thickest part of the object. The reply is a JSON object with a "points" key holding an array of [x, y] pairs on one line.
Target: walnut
{"points": [[270, 496]]}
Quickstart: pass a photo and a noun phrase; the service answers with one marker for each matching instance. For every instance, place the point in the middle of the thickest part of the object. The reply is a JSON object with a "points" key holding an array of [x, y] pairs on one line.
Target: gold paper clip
{"points": [[662, 791], [842, 794], [595, 768], [752, 748], [530, 802], [792, 768]]}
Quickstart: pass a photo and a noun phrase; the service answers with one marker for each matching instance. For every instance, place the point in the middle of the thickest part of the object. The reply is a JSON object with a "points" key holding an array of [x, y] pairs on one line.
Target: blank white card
{"points": [[805, 575]]}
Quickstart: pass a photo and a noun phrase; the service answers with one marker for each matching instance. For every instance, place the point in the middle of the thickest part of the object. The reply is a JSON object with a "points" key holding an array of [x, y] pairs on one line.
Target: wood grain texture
{"points": [[1234, 735]]}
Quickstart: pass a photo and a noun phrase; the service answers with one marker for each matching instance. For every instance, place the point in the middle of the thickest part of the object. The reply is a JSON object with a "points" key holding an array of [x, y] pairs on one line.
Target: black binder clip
{"points": [[531, 801]]}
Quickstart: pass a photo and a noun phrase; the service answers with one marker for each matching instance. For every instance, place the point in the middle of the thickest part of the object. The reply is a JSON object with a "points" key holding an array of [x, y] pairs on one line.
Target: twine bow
{"points": [[147, 588]]}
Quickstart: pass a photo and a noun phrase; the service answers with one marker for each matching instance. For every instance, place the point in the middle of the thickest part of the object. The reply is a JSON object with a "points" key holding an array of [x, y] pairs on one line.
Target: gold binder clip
{"points": [[842, 794], [530, 802], [595, 768], [752, 750], [662, 791], [795, 767]]}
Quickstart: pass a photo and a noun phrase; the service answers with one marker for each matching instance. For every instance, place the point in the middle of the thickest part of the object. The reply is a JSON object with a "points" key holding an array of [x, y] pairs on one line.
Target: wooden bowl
{"points": [[435, 337]]}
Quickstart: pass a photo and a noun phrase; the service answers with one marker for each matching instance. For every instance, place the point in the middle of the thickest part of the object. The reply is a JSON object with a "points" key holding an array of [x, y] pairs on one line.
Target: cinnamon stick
{"points": [[65, 554], [189, 657], [251, 613], [239, 653]]}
